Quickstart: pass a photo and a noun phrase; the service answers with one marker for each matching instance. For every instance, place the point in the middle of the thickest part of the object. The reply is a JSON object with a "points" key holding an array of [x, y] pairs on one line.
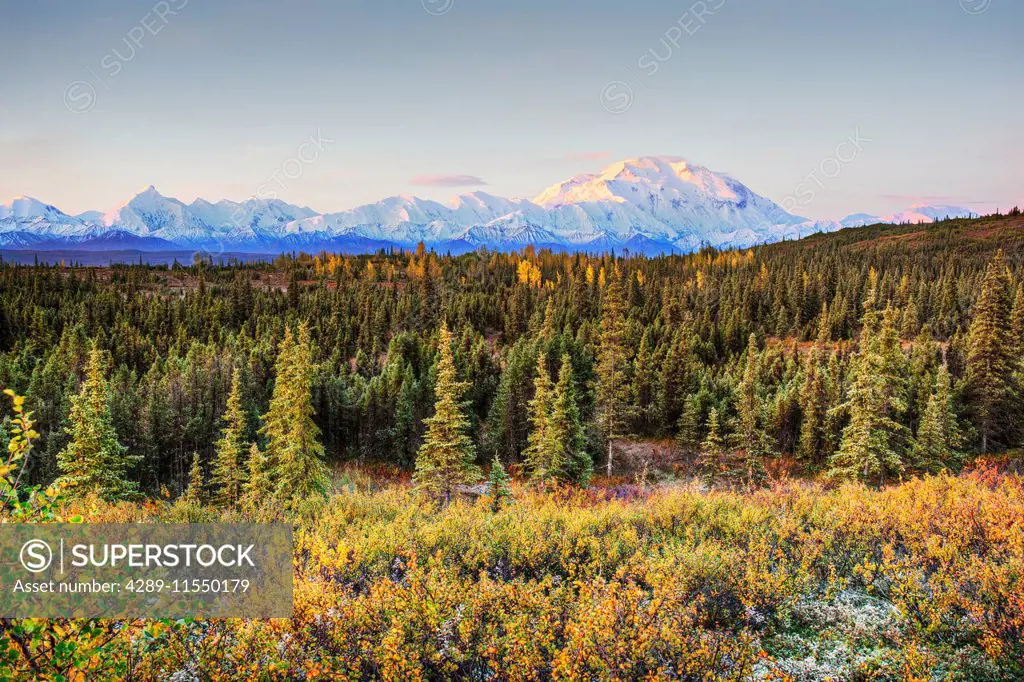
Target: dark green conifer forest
{"points": [[871, 354]]}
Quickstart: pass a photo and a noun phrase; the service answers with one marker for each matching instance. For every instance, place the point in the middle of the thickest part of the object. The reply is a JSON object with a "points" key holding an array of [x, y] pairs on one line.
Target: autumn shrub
{"points": [[917, 581]]}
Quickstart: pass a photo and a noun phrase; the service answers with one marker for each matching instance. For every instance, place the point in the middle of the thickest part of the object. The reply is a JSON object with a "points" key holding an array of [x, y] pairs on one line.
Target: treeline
{"points": [[864, 354]]}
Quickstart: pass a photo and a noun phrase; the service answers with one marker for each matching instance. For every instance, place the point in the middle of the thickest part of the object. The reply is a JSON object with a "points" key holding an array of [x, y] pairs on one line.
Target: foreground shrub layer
{"points": [[919, 581]]}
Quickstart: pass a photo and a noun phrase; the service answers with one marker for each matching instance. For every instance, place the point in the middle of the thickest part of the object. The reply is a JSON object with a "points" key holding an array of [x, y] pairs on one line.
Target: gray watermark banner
{"points": [[115, 570]]}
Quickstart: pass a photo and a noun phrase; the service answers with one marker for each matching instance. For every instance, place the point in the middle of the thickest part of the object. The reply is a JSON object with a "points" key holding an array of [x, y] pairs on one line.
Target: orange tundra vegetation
{"points": [[798, 581]]}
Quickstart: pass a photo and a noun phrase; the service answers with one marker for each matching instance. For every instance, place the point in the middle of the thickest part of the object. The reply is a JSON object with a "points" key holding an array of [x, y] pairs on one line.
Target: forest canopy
{"points": [[867, 354]]}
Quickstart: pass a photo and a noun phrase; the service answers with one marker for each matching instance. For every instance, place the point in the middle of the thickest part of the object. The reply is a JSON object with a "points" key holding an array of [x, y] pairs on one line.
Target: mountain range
{"points": [[650, 204]]}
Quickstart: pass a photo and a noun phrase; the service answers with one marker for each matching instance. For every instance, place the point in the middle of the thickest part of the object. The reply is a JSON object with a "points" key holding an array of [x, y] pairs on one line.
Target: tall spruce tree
{"points": [[874, 443], [920, 378], [645, 378], [752, 437], [712, 448], [670, 392], [813, 444], [447, 457], [195, 492], [293, 438], [566, 434], [228, 472], [1017, 323], [94, 461], [507, 426], [258, 489], [939, 438], [542, 460], [991, 386], [614, 391], [721, 463], [689, 430]]}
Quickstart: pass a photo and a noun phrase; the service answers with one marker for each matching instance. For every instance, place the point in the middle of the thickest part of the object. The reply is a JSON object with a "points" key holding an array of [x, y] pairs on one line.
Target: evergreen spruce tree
{"points": [[834, 417], [541, 461], [259, 487], [645, 379], [714, 442], [566, 430], [670, 392], [874, 442], [712, 449], [94, 461], [507, 427], [920, 378], [276, 424], [720, 463], [824, 331], [293, 445], [194, 492], [228, 473], [547, 329], [614, 400], [939, 438], [405, 415], [446, 458], [752, 436], [1017, 323], [499, 482], [991, 386], [909, 325], [689, 436], [813, 444]]}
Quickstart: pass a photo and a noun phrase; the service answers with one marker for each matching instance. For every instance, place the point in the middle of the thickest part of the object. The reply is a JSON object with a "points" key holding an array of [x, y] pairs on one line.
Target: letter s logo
{"points": [[36, 556]]}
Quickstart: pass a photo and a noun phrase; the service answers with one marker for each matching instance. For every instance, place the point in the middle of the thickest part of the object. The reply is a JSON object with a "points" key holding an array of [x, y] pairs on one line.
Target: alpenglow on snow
{"points": [[655, 204]]}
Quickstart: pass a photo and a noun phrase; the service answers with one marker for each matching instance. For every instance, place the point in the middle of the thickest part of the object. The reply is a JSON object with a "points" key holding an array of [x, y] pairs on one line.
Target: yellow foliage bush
{"points": [[918, 581]]}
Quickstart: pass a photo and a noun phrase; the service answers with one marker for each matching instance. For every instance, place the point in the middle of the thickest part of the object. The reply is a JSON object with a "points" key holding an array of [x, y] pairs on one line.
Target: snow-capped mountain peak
{"points": [[924, 213], [150, 213], [23, 208], [670, 198], [918, 213], [660, 174], [654, 203]]}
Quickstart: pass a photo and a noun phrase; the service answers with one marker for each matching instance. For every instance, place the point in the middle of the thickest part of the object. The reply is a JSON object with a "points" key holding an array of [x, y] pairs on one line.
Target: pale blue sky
{"points": [[509, 91]]}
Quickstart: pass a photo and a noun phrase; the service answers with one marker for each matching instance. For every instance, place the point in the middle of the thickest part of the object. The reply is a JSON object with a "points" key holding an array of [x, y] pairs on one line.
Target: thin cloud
{"points": [[944, 199], [920, 199], [587, 156], [448, 181]]}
